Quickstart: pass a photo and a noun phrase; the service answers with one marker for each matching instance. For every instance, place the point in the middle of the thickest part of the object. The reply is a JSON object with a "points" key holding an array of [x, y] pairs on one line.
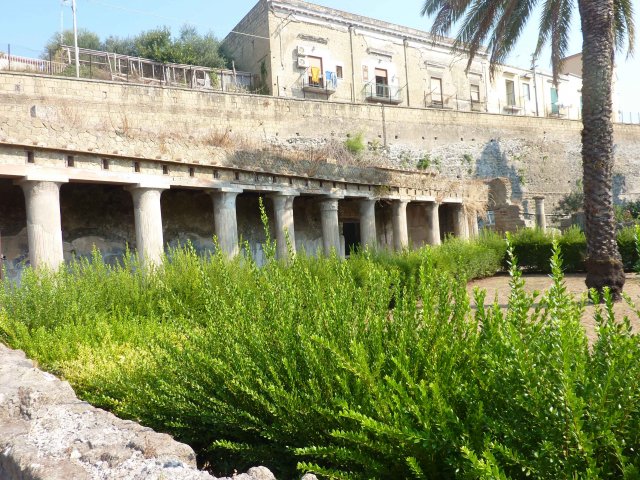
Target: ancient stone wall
{"points": [[541, 156], [47, 433]]}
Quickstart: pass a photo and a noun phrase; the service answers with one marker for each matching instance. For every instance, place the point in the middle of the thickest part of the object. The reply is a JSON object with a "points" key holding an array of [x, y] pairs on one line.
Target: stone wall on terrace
{"points": [[47, 433], [540, 156]]}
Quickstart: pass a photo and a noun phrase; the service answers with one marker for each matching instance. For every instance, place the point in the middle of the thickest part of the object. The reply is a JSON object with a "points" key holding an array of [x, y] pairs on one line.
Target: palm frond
{"points": [[555, 25], [447, 12], [498, 22], [624, 26], [508, 29]]}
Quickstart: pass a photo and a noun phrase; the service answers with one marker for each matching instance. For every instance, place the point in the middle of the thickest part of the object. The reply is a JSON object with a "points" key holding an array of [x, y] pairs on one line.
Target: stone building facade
{"points": [[86, 163], [303, 50]]}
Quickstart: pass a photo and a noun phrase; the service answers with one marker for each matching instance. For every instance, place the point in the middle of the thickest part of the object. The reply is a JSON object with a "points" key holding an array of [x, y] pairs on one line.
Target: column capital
{"points": [[144, 188], [283, 193], [235, 190], [329, 204], [151, 183], [34, 177]]}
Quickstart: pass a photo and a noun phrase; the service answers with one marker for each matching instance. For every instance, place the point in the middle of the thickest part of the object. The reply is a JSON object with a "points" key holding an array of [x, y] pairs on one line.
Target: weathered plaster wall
{"points": [[248, 44], [540, 156]]}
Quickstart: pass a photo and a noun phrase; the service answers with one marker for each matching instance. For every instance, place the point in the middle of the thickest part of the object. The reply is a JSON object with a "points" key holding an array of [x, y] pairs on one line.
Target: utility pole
{"points": [[75, 37], [535, 82]]}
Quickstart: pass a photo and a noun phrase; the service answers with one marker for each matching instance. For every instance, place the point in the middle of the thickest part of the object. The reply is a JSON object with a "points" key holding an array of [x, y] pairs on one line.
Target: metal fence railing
{"points": [[17, 63], [95, 64], [380, 92]]}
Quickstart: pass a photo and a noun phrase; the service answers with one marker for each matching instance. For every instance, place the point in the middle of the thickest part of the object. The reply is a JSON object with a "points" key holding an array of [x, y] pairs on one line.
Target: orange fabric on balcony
{"points": [[315, 74]]}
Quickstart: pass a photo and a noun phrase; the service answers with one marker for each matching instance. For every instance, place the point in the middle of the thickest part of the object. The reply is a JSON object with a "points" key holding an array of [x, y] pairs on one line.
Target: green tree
{"points": [[86, 39], [607, 25], [202, 50], [123, 46], [156, 45]]}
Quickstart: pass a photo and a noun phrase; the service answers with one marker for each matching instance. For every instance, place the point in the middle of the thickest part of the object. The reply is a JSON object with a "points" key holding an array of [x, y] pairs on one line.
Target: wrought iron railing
{"points": [[321, 85], [381, 92]]}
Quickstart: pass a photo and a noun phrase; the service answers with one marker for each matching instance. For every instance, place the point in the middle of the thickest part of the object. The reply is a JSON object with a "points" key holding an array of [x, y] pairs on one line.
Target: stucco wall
{"points": [[248, 45]]}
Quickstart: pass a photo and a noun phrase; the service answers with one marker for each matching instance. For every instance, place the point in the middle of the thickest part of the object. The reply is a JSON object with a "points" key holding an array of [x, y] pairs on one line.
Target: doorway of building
{"points": [[351, 232], [382, 83]]}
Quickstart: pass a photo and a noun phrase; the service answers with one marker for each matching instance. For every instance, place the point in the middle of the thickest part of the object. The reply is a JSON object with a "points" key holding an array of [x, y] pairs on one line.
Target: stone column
{"points": [[148, 219], [400, 229], [330, 226], [225, 221], [44, 224], [368, 234], [283, 211], [460, 224], [541, 219], [433, 223], [473, 225]]}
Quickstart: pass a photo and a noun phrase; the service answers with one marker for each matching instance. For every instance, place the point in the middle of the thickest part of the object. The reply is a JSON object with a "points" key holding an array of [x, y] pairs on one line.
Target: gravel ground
{"points": [[499, 286]]}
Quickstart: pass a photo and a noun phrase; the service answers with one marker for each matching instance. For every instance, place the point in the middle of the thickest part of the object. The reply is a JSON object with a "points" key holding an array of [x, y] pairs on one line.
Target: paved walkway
{"points": [[499, 285]]}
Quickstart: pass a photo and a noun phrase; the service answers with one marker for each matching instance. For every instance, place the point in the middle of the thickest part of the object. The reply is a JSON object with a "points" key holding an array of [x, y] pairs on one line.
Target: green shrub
{"points": [[533, 249], [424, 162], [355, 144], [627, 248], [304, 366]]}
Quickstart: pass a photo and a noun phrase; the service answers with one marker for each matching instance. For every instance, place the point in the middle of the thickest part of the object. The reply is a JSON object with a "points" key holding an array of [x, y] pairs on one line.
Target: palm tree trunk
{"points": [[603, 262]]}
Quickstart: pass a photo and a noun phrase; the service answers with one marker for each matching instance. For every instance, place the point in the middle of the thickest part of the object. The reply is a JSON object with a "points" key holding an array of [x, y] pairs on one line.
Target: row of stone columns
{"points": [[45, 232]]}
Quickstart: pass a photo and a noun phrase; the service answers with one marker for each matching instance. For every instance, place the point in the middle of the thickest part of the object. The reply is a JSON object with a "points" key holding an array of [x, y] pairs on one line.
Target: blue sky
{"points": [[27, 25]]}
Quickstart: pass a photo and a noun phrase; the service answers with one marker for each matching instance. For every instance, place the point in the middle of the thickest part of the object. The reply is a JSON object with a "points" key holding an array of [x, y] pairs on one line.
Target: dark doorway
{"points": [[446, 217], [351, 232]]}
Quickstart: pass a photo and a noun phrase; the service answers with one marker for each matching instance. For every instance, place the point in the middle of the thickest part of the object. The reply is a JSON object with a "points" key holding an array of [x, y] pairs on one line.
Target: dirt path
{"points": [[499, 285]]}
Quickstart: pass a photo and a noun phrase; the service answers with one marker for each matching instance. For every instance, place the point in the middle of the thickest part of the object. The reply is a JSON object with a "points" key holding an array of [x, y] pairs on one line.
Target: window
{"points": [[382, 83], [526, 91], [436, 91], [511, 92], [315, 71], [365, 73], [475, 93], [339, 71]]}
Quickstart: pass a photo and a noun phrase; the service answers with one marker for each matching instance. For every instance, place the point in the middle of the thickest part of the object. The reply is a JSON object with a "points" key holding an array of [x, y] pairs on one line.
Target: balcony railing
{"points": [[321, 86], [379, 92]]}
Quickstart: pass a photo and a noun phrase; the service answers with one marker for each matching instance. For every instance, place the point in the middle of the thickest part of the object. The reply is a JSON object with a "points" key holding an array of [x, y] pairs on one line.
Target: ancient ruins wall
{"points": [[541, 156], [47, 433]]}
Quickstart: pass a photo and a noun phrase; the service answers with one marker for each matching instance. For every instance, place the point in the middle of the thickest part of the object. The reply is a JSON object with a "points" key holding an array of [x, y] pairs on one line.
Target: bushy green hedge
{"points": [[479, 258], [304, 367], [533, 249]]}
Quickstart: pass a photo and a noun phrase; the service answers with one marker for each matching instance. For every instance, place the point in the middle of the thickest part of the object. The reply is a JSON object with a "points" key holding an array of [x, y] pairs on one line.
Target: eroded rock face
{"points": [[47, 433]]}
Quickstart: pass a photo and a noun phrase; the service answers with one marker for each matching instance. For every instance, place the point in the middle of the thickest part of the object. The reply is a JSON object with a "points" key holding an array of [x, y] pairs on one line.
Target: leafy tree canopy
{"points": [[189, 47]]}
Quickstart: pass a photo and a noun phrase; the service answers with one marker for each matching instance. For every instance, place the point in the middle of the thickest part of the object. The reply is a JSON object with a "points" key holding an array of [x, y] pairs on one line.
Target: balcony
{"points": [[381, 93], [321, 86]]}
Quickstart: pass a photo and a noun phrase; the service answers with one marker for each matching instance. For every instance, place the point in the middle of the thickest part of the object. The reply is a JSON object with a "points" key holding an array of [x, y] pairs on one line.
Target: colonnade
{"points": [[44, 230]]}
